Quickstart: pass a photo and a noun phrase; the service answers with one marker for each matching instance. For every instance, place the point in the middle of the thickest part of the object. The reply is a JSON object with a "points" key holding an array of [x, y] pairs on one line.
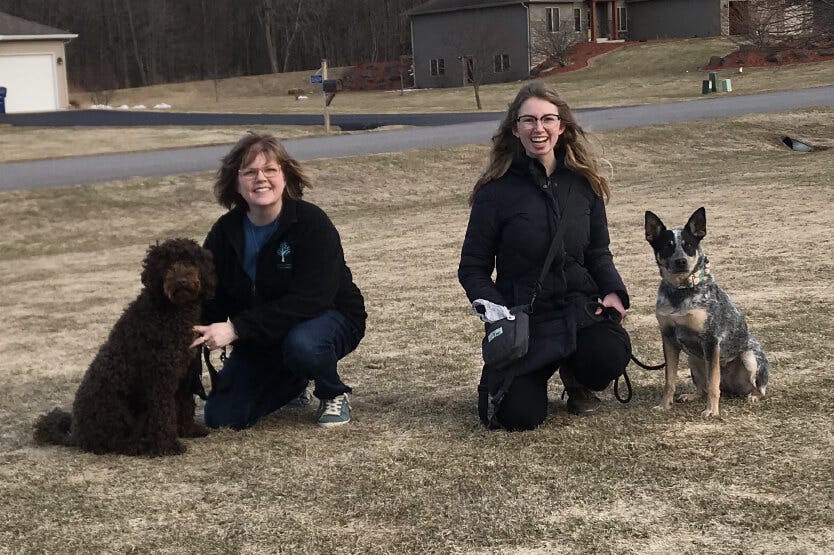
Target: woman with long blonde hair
{"points": [[541, 176]]}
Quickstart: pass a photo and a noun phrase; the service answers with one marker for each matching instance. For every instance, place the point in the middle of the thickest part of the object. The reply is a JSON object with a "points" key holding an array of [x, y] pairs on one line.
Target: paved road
{"points": [[432, 132]]}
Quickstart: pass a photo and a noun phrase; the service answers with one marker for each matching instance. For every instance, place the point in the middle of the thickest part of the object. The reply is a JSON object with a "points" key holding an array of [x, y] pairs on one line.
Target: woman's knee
{"points": [[602, 354], [301, 347], [519, 419], [524, 406]]}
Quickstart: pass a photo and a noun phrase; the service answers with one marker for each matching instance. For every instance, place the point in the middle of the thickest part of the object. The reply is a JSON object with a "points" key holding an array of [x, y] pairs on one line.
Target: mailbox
{"points": [[331, 85]]}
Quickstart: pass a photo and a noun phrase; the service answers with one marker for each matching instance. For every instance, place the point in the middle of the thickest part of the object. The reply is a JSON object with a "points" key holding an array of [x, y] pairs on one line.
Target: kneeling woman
{"points": [[541, 177], [285, 296]]}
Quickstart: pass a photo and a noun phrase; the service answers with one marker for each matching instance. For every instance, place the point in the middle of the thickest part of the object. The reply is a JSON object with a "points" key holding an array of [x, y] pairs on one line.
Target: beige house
{"points": [[33, 65]]}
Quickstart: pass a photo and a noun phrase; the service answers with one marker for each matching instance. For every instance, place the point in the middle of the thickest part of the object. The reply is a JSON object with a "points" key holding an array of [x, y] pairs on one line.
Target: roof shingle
{"points": [[17, 26]]}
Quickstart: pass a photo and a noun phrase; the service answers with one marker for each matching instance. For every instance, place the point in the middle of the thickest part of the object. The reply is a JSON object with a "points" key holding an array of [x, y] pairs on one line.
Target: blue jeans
{"points": [[262, 381]]}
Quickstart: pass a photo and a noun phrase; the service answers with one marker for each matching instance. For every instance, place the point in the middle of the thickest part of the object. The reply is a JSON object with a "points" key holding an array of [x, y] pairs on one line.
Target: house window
{"points": [[438, 66], [622, 23], [577, 19], [502, 63], [552, 19]]}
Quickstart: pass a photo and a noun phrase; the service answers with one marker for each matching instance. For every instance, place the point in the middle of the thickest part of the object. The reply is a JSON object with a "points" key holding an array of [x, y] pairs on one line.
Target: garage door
{"points": [[30, 81]]}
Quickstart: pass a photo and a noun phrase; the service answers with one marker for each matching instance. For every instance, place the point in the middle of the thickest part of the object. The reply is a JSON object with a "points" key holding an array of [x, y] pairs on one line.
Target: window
{"points": [[502, 63], [438, 67], [622, 23], [552, 19], [577, 19]]}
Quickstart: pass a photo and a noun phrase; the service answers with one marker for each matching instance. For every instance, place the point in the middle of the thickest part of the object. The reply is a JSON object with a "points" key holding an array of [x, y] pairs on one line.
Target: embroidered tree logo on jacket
{"points": [[283, 251]]}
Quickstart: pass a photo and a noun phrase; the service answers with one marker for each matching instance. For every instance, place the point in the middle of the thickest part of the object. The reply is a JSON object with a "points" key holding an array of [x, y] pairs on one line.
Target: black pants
{"points": [[602, 353]]}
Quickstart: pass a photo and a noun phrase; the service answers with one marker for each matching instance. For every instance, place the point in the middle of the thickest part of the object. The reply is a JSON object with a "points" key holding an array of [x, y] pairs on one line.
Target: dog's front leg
{"points": [[712, 352], [671, 353]]}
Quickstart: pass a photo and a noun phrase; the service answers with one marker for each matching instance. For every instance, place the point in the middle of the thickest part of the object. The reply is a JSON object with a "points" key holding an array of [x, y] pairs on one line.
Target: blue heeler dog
{"points": [[697, 317]]}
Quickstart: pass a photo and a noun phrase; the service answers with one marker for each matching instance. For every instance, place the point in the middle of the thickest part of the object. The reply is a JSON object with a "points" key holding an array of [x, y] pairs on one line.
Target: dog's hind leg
{"points": [[746, 375], [698, 369], [671, 354]]}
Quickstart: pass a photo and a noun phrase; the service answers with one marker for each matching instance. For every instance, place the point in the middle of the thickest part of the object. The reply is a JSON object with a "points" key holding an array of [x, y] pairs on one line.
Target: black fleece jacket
{"points": [[511, 224], [301, 272]]}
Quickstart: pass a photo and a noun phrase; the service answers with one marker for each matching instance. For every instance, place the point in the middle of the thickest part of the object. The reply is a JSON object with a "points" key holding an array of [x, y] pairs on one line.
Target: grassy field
{"points": [[642, 73], [415, 472]]}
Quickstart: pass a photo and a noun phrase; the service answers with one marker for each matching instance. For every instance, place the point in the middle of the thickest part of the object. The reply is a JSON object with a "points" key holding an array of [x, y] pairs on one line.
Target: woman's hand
{"points": [[215, 336], [613, 300]]}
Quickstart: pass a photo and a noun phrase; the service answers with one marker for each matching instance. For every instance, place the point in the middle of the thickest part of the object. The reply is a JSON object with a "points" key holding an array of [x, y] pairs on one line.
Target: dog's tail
{"points": [[53, 428]]}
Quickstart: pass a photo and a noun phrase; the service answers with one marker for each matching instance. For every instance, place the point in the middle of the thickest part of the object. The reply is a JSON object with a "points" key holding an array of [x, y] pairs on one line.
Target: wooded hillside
{"points": [[131, 43]]}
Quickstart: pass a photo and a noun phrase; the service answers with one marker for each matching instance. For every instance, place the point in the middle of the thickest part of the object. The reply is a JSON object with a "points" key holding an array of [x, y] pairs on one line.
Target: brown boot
{"points": [[580, 399]]}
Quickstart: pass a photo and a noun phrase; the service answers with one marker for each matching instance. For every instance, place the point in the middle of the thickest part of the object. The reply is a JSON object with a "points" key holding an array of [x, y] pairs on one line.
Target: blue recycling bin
{"points": [[2, 100]]}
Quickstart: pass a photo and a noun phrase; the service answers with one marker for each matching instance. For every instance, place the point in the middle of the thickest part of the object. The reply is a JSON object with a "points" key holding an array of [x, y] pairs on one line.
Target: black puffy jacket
{"points": [[511, 225], [301, 272]]}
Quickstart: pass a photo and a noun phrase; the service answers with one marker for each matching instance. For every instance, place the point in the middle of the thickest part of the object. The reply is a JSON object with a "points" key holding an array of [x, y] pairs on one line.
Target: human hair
{"points": [[506, 146], [246, 150]]}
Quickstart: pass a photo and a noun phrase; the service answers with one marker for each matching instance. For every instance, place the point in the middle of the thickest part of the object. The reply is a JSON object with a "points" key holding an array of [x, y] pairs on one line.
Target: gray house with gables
{"points": [[457, 41]]}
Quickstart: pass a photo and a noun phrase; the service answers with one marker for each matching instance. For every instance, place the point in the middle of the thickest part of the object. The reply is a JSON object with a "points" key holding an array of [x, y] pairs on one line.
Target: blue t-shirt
{"points": [[254, 238]]}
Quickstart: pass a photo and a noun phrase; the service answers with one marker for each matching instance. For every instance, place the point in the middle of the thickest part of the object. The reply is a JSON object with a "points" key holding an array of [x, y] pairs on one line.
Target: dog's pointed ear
{"points": [[654, 227], [697, 224]]}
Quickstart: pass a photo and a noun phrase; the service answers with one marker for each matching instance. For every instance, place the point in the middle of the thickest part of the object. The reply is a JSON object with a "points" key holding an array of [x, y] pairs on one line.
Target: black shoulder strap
{"points": [[556, 243]]}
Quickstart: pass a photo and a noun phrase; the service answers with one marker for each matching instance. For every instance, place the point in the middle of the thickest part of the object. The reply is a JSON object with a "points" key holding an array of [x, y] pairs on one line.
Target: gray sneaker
{"points": [[300, 401], [334, 412]]}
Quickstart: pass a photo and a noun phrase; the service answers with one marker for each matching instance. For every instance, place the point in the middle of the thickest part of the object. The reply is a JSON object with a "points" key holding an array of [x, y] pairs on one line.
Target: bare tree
{"points": [[787, 23], [551, 45], [128, 43]]}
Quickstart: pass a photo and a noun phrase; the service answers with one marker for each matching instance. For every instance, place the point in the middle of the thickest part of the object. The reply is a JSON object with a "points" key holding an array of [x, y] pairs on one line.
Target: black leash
{"points": [[214, 376], [645, 366]]}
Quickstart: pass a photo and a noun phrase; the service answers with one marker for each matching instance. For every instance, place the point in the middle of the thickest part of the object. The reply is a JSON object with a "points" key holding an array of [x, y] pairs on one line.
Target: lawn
{"points": [[415, 472]]}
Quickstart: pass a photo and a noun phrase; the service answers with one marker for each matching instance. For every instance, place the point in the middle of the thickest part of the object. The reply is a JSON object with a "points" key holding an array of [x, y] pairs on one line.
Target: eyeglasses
{"points": [[252, 173], [530, 122]]}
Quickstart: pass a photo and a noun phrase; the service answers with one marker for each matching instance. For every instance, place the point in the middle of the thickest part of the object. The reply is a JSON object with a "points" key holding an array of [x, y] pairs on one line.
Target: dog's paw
{"points": [[194, 429], [710, 413], [687, 397], [663, 407], [166, 449]]}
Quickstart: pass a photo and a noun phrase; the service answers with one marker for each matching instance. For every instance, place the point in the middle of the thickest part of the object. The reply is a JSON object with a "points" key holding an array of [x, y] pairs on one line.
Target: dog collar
{"points": [[697, 277]]}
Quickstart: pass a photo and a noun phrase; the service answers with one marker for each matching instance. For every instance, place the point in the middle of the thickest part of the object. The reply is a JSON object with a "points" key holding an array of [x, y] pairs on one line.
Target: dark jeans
{"points": [[264, 381], [602, 353]]}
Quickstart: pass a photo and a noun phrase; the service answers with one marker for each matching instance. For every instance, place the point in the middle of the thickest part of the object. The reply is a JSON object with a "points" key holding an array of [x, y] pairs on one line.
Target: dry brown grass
{"points": [[18, 144], [415, 472]]}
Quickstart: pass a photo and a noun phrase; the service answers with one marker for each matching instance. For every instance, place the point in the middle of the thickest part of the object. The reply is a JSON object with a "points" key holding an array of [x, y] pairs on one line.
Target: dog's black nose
{"points": [[680, 265]]}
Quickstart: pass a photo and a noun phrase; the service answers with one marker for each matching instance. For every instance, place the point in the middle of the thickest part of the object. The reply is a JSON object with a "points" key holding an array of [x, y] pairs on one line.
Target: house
{"points": [[658, 19], [455, 42], [33, 65]]}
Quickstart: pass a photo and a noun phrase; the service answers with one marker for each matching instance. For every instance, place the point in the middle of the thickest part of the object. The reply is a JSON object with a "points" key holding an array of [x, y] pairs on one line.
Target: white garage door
{"points": [[30, 81]]}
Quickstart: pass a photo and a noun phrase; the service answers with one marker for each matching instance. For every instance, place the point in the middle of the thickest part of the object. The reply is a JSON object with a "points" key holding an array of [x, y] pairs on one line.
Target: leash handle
{"points": [[216, 383]]}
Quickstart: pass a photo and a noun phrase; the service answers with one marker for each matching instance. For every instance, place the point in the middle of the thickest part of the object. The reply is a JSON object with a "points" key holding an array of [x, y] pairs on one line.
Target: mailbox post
{"points": [[324, 96]]}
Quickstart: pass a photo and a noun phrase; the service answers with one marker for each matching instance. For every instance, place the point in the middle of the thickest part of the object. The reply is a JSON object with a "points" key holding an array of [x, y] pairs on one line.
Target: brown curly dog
{"points": [[135, 398]]}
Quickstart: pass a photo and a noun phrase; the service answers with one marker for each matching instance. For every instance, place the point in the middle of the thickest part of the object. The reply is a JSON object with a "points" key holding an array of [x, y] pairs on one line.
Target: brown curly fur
{"points": [[135, 398]]}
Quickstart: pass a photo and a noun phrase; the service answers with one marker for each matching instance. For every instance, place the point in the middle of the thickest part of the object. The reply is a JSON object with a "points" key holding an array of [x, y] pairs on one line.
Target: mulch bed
{"points": [[580, 56], [748, 57]]}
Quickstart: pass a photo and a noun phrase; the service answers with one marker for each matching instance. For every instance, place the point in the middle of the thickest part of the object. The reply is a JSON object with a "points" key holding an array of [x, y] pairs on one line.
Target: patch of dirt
{"points": [[753, 57]]}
